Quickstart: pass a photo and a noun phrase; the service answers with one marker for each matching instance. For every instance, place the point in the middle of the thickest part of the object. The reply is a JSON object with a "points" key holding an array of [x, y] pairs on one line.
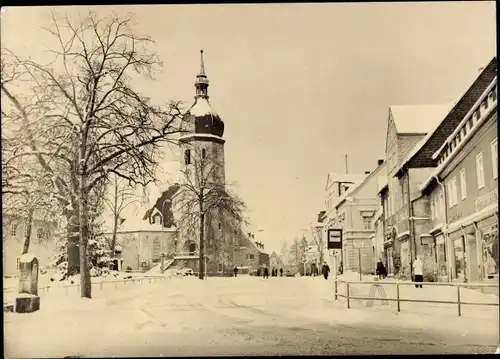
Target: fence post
{"points": [[397, 297], [347, 295], [335, 289], [458, 301]]}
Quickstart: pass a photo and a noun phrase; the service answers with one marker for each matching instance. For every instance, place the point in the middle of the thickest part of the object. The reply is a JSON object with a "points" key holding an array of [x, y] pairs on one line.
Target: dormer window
{"points": [[187, 157]]}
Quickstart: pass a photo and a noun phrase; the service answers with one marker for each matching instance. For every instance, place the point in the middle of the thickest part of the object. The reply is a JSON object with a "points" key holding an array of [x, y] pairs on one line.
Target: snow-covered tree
{"points": [[120, 196], [83, 120], [206, 204]]}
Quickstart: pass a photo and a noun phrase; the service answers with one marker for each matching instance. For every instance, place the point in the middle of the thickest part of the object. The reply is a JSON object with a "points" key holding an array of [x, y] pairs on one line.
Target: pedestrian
{"points": [[380, 271], [325, 270], [266, 272], [418, 270], [235, 271], [258, 272], [274, 273], [281, 272]]}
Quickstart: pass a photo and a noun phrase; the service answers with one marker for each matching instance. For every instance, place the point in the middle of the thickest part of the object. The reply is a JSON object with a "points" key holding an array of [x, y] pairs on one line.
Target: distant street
{"points": [[231, 316]]}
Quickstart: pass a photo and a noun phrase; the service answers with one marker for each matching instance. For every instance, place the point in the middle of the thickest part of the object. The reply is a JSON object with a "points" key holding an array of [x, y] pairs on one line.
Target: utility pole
{"points": [[346, 169]]}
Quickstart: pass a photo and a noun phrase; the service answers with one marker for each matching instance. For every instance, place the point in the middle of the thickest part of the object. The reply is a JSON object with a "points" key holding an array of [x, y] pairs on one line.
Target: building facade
{"points": [[42, 242], [407, 127], [423, 173], [355, 211], [467, 174]]}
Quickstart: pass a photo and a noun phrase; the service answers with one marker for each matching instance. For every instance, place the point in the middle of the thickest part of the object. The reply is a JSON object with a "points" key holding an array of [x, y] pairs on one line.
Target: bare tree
{"points": [[317, 236], [205, 202], [89, 121], [121, 196]]}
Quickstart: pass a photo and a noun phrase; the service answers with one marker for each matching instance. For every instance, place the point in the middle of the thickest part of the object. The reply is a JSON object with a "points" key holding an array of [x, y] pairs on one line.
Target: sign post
{"points": [[334, 247]]}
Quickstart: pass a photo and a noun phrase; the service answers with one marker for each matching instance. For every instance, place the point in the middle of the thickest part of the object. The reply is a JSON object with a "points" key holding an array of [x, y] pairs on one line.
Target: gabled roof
{"points": [[443, 129], [418, 119], [359, 184]]}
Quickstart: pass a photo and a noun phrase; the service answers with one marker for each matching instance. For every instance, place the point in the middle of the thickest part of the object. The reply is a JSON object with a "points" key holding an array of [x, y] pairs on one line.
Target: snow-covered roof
{"points": [[27, 257], [419, 118], [346, 177], [202, 107], [381, 183]]}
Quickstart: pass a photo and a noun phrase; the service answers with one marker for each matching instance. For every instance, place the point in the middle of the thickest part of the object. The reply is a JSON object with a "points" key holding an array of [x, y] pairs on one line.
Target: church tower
{"points": [[202, 166], [202, 140]]}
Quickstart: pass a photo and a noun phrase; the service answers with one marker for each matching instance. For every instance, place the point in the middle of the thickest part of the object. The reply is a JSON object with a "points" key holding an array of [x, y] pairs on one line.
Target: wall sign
{"points": [[334, 238]]}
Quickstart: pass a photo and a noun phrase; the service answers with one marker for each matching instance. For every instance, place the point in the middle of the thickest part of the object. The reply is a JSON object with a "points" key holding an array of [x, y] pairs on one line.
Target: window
{"points": [[463, 184], [494, 157], [469, 123], [367, 222], [494, 94], [203, 153], [40, 233], [13, 229], [485, 103], [25, 232], [187, 157], [156, 249], [17, 262], [480, 170], [251, 256], [452, 192]]}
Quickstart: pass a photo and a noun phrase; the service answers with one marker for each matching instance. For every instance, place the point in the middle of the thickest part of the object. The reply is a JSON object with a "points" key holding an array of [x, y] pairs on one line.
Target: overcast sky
{"points": [[298, 85]]}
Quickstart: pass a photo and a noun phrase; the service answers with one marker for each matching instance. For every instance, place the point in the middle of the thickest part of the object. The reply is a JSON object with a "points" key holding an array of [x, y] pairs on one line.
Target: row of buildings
{"points": [[435, 195]]}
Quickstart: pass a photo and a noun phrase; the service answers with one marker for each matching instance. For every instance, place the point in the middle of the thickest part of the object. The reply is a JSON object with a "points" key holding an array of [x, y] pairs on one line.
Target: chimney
{"points": [[379, 162], [367, 172]]}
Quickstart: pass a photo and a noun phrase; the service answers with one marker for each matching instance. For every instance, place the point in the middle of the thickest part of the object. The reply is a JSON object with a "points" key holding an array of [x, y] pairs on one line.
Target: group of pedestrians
{"points": [[265, 272]]}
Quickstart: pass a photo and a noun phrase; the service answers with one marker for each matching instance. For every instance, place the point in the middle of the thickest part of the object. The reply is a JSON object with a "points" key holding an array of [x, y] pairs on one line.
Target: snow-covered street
{"points": [[244, 315]]}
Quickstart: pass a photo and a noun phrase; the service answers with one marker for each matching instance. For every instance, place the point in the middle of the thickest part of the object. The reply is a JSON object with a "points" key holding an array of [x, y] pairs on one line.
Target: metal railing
{"points": [[67, 287], [458, 302]]}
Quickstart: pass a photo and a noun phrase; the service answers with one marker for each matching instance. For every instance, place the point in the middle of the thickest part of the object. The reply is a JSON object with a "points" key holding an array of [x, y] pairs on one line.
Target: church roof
{"points": [[206, 119]]}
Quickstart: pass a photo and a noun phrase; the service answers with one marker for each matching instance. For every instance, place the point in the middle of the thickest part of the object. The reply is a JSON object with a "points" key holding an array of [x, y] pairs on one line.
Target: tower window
{"points": [[187, 157], [203, 153]]}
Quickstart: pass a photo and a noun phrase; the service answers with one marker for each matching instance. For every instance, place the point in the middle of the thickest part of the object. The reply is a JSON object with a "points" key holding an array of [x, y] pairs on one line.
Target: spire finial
{"points": [[202, 69]]}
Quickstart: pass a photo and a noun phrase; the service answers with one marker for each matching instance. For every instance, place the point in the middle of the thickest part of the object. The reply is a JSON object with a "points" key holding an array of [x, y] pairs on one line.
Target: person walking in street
{"points": [[381, 271], [418, 269], [325, 270], [235, 271], [281, 272], [266, 272]]}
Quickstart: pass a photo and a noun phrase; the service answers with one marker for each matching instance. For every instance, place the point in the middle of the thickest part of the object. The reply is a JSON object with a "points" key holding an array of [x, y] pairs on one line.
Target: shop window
{"points": [[441, 256], [459, 258], [490, 253]]}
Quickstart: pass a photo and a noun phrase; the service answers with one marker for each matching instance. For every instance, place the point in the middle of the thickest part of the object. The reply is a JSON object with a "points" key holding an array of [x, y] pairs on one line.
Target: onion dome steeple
{"points": [[201, 83], [207, 121]]}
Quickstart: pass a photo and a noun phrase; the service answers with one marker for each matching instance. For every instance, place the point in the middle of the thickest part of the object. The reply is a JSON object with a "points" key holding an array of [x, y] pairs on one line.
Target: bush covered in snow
{"points": [[99, 255]]}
